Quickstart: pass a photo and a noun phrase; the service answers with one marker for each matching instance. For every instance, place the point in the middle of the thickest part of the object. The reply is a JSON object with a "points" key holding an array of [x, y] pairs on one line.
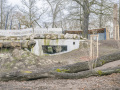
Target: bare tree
{"points": [[105, 10], [85, 4], [1, 12], [2, 8], [55, 9], [75, 14], [119, 15], [31, 11]]}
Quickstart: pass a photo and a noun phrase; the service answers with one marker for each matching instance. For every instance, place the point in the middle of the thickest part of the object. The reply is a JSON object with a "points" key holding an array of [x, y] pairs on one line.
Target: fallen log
{"points": [[37, 74], [78, 70], [82, 66], [85, 74]]}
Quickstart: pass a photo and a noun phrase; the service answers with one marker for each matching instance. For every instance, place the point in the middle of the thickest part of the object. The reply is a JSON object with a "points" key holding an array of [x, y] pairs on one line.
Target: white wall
{"points": [[69, 42]]}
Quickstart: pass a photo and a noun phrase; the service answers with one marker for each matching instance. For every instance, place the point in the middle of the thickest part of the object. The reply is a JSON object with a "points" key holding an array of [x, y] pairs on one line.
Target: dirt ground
{"points": [[110, 82], [82, 54]]}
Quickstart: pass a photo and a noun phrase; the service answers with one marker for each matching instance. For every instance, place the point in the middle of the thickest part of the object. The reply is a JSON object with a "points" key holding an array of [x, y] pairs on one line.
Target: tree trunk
{"points": [[85, 23], [37, 74], [1, 13], [115, 22], [85, 74], [119, 17], [74, 71], [80, 16], [101, 14]]}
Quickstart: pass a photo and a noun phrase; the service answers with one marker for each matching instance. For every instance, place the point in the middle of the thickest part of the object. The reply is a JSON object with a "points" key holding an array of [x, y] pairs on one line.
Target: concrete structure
{"points": [[45, 43], [71, 44]]}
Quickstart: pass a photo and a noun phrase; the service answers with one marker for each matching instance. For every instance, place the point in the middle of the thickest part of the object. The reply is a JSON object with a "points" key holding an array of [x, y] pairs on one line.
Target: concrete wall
{"points": [[69, 42], [30, 31]]}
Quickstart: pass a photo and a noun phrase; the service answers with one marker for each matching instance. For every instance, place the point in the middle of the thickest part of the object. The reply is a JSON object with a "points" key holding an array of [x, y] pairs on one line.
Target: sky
{"points": [[14, 2], [18, 3]]}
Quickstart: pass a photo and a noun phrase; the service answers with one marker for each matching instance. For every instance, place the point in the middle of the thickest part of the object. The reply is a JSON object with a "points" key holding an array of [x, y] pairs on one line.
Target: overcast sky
{"points": [[13, 2]]}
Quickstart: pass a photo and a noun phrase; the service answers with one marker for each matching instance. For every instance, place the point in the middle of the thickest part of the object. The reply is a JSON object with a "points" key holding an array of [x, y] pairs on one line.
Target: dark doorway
{"points": [[52, 49]]}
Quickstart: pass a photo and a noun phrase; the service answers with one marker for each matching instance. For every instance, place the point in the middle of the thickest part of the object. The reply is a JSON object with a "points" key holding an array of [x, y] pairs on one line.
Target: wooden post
{"points": [[115, 33], [92, 53], [118, 32], [93, 49], [90, 47], [107, 34], [97, 47], [115, 13]]}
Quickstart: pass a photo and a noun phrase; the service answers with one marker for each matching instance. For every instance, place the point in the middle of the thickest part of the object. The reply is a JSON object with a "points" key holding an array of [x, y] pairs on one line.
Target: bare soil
{"points": [[82, 54]]}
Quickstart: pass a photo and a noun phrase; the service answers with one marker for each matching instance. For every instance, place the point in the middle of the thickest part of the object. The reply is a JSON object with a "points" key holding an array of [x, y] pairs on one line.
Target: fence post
{"points": [[107, 34], [118, 32], [92, 46], [115, 33], [97, 47]]}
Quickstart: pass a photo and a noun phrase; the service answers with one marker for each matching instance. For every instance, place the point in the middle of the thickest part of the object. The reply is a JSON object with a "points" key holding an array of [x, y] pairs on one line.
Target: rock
{"points": [[68, 36], [37, 36], [31, 43], [22, 44], [28, 44], [81, 37], [1, 38], [61, 36], [19, 38], [54, 36], [78, 37], [75, 36], [32, 37], [84, 38], [1, 45], [6, 38], [16, 53], [12, 38], [6, 44], [47, 36], [42, 36], [26, 38], [15, 44]]}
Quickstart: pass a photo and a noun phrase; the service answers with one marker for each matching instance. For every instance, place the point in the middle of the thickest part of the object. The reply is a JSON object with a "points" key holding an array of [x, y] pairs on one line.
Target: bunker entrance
{"points": [[52, 49]]}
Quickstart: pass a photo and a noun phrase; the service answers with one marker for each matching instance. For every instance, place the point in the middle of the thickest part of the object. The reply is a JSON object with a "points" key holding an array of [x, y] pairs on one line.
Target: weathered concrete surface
{"points": [[71, 44], [21, 44], [42, 36]]}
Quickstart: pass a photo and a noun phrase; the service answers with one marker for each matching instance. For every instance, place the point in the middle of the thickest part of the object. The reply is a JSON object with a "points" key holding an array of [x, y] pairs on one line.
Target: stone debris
{"points": [[43, 36], [21, 44]]}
